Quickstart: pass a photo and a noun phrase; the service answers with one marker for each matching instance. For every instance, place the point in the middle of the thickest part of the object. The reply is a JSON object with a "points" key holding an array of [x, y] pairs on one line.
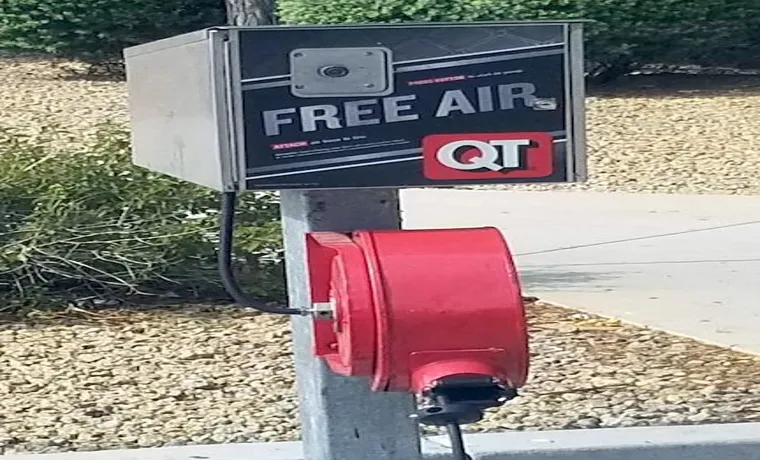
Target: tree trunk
{"points": [[250, 12]]}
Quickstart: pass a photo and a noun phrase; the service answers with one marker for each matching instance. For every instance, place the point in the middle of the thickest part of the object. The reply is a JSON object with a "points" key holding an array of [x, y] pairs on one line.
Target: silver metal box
{"points": [[401, 105], [179, 108]]}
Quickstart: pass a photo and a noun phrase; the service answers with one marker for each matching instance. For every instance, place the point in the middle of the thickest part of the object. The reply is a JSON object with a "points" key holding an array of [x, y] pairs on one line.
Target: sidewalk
{"points": [[686, 264], [706, 442]]}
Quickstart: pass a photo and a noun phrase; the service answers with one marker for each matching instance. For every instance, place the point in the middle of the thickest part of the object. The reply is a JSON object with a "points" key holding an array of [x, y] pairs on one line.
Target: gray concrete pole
{"points": [[341, 418]]}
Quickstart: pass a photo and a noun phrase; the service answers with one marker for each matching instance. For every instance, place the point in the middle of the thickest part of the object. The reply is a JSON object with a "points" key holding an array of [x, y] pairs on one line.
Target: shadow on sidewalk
{"points": [[548, 279]]}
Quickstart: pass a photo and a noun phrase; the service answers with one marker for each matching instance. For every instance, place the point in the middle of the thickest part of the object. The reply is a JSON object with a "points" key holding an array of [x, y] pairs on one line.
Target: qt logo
{"points": [[487, 156]]}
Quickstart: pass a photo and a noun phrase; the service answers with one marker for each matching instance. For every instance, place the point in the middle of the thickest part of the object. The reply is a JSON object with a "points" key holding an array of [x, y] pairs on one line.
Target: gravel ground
{"points": [[195, 375], [32, 97], [674, 134]]}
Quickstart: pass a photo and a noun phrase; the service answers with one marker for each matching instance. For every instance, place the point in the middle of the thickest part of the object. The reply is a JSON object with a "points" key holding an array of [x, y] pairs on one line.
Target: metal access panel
{"points": [[178, 108], [325, 107]]}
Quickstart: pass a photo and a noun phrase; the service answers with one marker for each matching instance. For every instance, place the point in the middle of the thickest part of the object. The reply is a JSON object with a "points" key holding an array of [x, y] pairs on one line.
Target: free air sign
{"points": [[406, 106]]}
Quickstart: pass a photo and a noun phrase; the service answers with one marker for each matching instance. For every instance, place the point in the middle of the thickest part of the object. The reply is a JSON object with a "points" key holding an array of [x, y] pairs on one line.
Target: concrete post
{"points": [[341, 418]]}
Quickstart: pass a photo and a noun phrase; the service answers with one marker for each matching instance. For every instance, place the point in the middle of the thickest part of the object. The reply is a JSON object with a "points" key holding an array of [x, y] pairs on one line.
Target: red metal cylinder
{"points": [[415, 306]]}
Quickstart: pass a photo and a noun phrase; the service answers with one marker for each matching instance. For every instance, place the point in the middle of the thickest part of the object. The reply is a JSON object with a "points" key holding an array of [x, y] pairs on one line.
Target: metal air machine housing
{"points": [[330, 107]]}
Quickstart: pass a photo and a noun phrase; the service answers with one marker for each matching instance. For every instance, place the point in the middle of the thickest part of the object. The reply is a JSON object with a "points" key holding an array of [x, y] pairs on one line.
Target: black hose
{"points": [[457, 442], [226, 229]]}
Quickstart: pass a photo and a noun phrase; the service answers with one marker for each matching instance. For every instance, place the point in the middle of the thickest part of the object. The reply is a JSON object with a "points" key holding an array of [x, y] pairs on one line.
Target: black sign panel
{"points": [[478, 105]]}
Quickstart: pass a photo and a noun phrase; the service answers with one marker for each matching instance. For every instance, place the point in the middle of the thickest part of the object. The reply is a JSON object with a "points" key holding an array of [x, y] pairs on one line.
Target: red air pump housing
{"points": [[423, 311]]}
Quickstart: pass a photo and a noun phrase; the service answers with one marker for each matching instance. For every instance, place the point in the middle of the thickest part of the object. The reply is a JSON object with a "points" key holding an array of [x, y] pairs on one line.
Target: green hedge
{"points": [[85, 222], [709, 32], [99, 29]]}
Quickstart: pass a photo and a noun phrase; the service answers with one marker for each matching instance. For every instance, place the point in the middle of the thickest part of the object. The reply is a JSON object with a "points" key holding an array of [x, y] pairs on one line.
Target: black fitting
{"points": [[462, 400]]}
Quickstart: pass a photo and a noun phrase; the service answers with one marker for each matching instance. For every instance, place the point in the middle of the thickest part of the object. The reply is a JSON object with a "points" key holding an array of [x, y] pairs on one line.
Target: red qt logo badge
{"points": [[487, 156]]}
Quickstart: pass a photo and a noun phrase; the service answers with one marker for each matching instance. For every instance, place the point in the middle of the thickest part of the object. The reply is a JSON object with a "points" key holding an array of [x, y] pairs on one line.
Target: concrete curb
{"points": [[739, 441]]}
